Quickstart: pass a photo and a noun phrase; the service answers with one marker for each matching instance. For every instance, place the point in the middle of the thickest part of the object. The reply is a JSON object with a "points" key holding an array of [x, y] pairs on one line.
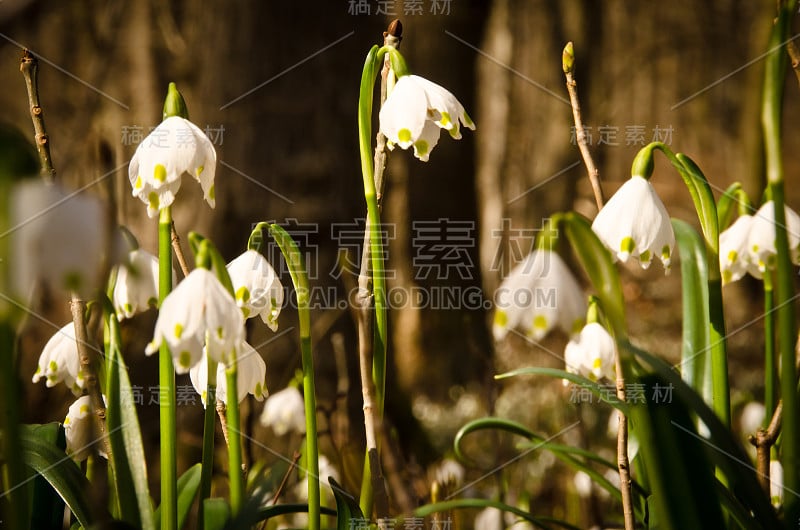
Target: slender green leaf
{"points": [[47, 510], [127, 451], [695, 357], [599, 266], [461, 504], [723, 449], [188, 484], [61, 472], [216, 513], [347, 509], [595, 388], [680, 473]]}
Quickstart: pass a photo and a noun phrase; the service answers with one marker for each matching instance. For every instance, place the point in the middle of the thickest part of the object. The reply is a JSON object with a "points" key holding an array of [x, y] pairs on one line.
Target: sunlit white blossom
{"points": [[591, 353], [635, 223], [78, 430], [538, 294], [761, 238], [136, 288], [177, 146], [416, 110], [284, 411], [734, 254], [199, 311], [776, 482], [449, 472], [250, 374], [59, 361], [58, 237], [257, 288]]}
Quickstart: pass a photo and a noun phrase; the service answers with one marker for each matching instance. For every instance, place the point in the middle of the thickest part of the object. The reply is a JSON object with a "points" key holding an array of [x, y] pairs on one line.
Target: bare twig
{"points": [[622, 450], [365, 302], [29, 66], [763, 440], [295, 457], [568, 61], [178, 251], [223, 420]]}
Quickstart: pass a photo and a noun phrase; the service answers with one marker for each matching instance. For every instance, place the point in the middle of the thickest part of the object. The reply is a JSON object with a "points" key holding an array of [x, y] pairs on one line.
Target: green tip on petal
{"points": [[500, 318], [153, 201], [726, 276], [160, 173], [243, 294], [185, 359], [666, 252], [540, 322], [445, 121], [404, 135], [53, 366], [138, 184], [422, 147], [178, 331], [627, 245], [645, 256], [212, 193]]}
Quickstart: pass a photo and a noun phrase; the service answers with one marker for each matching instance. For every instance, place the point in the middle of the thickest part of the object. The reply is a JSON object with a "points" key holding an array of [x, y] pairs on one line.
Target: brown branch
{"points": [[794, 55], [223, 420], [178, 251], [622, 450], [29, 66], [568, 62], [763, 440]]}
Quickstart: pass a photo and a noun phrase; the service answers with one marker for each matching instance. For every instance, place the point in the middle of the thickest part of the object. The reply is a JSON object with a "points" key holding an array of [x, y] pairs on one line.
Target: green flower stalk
{"points": [[774, 73], [294, 260]]}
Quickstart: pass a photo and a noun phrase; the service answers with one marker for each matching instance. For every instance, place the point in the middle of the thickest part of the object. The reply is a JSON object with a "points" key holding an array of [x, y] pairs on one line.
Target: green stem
{"points": [[234, 437], [706, 209], [166, 381], [294, 260], [770, 371], [774, 73], [207, 466]]}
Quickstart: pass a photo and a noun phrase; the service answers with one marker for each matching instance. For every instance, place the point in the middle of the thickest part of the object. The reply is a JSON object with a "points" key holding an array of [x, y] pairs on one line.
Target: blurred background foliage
{"points": [[276, 84]]}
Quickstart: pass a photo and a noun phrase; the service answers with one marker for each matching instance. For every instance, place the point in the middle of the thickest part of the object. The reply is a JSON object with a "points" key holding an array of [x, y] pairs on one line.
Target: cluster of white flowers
{"points": [[748, 245]]}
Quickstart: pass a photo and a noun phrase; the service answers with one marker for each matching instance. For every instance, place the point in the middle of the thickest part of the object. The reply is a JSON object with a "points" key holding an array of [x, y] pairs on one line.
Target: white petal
{"points": [[257, 288], [284, 411], [59, 361], [734, 256], [78, 429], [427, 140], [761, 240], [404, 112]]}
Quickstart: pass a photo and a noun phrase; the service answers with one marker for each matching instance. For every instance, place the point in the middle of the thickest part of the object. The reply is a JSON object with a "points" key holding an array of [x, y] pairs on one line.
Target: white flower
{"points": [[591, 354], [414, 112], [734, 256], [326, 469], [752, 417], [448, 472], [761, 238], [199, 311], [284, 411], [583, 484], [175, 147], [539, 293], [78, 429], [776, 482], [489, 518], [60, 362], [57, 237], [258, 289], [635, 223], [250, 374], [137, 284]]}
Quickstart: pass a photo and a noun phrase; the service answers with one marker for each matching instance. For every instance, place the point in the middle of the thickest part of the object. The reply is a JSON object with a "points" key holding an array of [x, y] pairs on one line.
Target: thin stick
{"points": [[568, 61], [223, 420], [373, 486], [295, 457], [29, 66], [622, 451], [176, 248], [794, 55]]}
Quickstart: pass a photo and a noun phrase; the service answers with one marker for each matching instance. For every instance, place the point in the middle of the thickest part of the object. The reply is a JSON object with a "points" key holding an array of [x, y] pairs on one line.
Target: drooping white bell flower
{"points": [[538, 294], [58, 237], [761, 238], [284, 411], [416, 110], [250, 374], [448, 472], [326, 470], [59, 361], [734, 254], [136, 288], [635, 223], [199, 311], [257, 288], [78, 430], [591, 354], [175, 147], [776, 482]]}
